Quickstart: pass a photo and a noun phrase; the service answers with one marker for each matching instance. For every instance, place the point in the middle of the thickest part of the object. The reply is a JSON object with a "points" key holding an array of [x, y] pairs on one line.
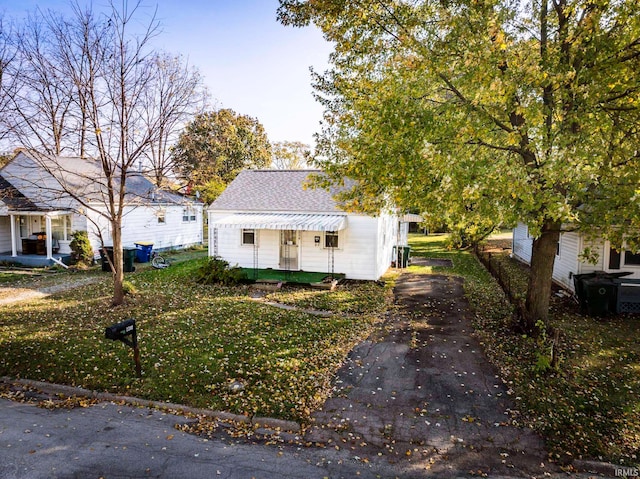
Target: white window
{"points": [[161, 217], [188, 214], [248, 237], [331, 239]]}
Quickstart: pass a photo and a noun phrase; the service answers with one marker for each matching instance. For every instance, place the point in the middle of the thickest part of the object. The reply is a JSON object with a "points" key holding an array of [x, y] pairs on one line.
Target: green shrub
{"points": [[129, 288], [218, 271], [81, 249]]}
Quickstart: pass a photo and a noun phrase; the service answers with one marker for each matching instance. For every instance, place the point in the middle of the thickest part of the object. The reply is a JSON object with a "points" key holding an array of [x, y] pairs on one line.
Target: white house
{"points": [[569, 262], [38, 215], [270, 219]]}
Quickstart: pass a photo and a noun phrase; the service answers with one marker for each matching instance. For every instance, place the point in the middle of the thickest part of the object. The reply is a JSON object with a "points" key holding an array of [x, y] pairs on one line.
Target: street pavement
{"points": [[113, 441]]}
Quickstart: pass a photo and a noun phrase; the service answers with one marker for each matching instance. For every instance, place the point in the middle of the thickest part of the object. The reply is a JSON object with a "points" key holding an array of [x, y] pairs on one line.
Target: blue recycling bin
{"points": [[143, 251]]}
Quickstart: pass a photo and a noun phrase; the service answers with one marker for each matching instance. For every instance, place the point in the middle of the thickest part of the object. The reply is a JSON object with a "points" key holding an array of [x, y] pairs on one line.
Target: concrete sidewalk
{"points": [[422, 394]]}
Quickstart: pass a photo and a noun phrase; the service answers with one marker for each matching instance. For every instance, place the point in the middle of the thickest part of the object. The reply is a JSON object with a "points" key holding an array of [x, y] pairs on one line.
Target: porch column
{"points": [[14, 249], [47, 222]]}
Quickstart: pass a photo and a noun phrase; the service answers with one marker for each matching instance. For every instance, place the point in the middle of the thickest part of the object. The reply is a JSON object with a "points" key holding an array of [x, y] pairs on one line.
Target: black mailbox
{"points": [[120, 330], [125, 331]]}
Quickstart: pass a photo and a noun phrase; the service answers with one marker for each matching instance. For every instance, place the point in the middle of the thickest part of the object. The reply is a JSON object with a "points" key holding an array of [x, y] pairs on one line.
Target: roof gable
{"points": [[13, 199], [275, 190]]}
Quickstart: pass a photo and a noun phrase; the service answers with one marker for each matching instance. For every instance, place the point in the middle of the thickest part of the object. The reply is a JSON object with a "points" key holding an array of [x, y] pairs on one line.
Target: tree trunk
{"points": [[543, 255], [118, 270]]}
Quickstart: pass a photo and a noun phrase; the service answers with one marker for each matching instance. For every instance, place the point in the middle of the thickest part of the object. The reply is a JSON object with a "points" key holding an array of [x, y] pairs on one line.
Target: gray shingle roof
{"points": [[275, 190], [15, 200], [84, 177]]}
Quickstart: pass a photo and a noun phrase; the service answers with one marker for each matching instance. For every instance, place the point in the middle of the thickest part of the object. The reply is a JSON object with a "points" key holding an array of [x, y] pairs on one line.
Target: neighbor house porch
{"points": [[35, 260]]}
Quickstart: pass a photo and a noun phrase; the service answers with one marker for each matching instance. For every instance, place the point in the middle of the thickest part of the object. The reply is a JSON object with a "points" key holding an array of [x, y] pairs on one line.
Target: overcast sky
{"points": [[250, 62]]}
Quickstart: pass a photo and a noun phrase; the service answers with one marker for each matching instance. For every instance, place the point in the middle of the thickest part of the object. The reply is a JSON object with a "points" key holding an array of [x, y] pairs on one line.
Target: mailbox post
{"points": [[125, 331]]}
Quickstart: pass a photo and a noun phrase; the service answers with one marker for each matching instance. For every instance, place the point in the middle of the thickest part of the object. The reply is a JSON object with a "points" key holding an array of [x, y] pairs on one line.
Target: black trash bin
{"points": [[601, 295], [128, 256], [580, 282], [106, 252], [581, 290]]}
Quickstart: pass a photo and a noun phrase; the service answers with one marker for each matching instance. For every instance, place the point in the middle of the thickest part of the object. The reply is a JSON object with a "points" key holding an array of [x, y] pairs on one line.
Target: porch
{"points": [[34, 260]]}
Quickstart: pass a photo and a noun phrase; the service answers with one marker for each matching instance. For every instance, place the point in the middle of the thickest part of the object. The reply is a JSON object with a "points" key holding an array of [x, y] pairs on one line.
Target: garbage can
{"points": [[401, 256], [128, 256], [143, 251], [106, 252], [601, 295], [581, 290]]}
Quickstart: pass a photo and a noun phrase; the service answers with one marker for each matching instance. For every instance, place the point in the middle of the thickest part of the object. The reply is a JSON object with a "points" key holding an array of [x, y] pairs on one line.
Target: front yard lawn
{"points": [[195, 340], [590, 406]]}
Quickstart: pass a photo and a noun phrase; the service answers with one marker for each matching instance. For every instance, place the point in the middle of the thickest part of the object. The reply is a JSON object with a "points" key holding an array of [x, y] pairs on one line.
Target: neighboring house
{"points": [[270, 219], [568, 260], [36, 204]]}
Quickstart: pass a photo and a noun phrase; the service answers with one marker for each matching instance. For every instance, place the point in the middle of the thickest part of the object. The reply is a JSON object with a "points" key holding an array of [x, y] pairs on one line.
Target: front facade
{"points": [[38, 215], [268, 219], [569, 261]]}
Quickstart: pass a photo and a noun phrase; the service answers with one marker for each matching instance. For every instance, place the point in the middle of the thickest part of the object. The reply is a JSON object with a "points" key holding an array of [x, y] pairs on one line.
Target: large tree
{"points": [[290, 155], [511, 110], [91, 85], [216, 146]]}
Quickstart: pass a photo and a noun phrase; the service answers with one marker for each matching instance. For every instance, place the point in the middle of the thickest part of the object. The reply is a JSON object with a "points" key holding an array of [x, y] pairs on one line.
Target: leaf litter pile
{"points": [[200, 345]]}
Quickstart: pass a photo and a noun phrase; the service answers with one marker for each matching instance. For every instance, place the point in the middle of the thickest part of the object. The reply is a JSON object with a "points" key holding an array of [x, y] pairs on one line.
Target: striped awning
{"points": [[412, 218], [298, 222]]}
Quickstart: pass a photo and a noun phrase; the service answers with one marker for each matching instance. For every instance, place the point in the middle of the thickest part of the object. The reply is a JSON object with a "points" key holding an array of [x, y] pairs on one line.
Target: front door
{"points": [[289, 250]]}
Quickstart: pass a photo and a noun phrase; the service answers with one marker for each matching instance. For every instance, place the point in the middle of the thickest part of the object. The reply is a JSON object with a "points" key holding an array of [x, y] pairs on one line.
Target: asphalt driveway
{"points": [[423, 394]]}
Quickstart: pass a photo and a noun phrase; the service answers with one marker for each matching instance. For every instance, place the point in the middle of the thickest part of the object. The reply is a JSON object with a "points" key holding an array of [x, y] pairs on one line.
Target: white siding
{"points": [[388, 237], [596, 246], [355, 256], [5, 234], [566, 263], [403, 234], [522, 243], [140, 223]]}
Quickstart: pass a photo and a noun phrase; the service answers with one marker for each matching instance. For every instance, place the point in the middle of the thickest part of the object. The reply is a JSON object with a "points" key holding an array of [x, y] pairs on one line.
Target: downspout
{"points": [[58, 262]]}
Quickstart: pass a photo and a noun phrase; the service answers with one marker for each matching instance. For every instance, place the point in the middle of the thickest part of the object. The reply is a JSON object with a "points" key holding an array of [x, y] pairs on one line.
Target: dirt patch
{"points": [[10, 295]]}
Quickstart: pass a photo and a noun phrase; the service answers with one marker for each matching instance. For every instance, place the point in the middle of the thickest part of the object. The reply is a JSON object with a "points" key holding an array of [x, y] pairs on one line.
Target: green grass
{"points": [[302, 277], [6, 277], [590, 406], [194, 341], [352, 298]]}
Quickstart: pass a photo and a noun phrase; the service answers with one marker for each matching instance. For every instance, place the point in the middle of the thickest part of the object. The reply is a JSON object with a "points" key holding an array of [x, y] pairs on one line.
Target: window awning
{"points": [[298, 222], [412, 218]]}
